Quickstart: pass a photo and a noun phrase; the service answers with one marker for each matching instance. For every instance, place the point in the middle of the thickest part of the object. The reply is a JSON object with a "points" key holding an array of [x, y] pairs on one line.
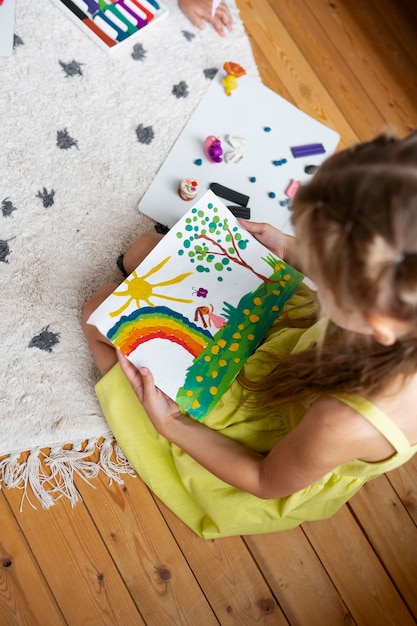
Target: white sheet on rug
{"points": [[83, 134]]}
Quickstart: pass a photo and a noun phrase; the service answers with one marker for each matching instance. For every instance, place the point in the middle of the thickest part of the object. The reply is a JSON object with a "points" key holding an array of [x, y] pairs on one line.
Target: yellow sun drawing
{"points": [[138, 288]]}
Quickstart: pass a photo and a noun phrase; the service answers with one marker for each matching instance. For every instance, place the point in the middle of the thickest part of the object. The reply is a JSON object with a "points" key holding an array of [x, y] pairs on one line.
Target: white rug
{"points": [[82, 135]]}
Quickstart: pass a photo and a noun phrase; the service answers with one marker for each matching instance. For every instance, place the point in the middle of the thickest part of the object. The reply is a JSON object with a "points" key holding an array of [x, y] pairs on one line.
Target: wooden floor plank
{"points": [[294, 571], [294, 69], [411, 8], [402, 22], [405, 484], [342, 84], [356, 572], [391, 534], [146, 554], [269, 76], [229, 576], [25, 597], [362, 47], [75, 563]]}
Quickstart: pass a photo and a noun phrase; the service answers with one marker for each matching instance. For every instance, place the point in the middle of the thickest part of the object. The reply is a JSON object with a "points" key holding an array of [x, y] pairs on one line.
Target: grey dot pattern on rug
{"points": [[211, 72], [187, 35], [72, 69], [45, 340], [17, 41], [138, 52], [7, 207], [145, 134], [47, 197], [4, 250], [180, 90], [64, 141]]}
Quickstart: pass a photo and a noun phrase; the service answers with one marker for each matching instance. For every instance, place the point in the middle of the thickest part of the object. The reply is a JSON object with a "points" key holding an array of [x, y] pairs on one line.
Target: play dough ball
{"points": [[188, 189]]}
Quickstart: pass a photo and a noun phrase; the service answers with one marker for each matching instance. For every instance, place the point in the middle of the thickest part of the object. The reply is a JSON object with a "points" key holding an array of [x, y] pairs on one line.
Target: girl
{"points": [[327, 402]]}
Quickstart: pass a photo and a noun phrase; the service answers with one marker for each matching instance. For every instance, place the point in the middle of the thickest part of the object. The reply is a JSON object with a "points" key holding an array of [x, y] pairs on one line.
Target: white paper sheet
{"points": [[7, 15]]}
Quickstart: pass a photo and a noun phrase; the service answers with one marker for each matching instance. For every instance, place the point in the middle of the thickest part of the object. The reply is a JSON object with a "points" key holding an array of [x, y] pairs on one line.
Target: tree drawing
{"points": [[212, 244]]}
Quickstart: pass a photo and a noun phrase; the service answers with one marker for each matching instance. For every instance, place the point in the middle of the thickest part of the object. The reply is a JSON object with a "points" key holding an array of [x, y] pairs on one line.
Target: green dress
{"points": [[211, 507]]}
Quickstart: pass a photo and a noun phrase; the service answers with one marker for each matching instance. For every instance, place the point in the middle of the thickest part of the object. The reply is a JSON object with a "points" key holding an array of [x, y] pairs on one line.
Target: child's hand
{"points": [[161, 409], [199, 12], [274, 239]]}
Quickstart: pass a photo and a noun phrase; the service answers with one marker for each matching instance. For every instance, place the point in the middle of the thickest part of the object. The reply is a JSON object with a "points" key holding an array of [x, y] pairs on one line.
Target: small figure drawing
{"points": [[203, 312]]}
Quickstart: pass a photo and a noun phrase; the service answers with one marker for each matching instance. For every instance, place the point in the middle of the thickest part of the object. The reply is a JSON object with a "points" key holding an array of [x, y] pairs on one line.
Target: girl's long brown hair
{"points": [[357, 221]]}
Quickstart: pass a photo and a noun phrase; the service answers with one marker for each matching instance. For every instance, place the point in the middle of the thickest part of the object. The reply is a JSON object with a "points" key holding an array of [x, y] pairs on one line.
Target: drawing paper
{"points": [[196, 308]]}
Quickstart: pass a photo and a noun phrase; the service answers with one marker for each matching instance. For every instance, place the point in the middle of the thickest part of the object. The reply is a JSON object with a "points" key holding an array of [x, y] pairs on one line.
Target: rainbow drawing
{"points": [[158, 322]]}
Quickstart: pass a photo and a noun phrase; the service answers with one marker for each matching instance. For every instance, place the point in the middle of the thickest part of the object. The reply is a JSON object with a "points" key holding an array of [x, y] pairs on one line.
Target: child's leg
{"points": [[139, 250], [103, 350]]}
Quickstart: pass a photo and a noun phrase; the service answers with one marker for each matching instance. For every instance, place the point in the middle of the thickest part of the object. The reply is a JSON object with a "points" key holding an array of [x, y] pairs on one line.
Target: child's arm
{"points": [[199, 12], [305, 455]]}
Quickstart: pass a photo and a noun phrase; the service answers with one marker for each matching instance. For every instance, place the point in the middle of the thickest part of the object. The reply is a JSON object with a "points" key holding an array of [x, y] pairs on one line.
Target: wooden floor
{"points": [[120, 557]]}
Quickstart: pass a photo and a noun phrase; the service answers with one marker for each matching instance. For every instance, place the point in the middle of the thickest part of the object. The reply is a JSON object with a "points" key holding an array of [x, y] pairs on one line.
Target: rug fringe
{"points": [[50, 474]]}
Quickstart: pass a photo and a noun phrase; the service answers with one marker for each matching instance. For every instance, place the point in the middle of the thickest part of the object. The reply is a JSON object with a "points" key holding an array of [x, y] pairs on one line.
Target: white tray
{"points": [[250, 109]]}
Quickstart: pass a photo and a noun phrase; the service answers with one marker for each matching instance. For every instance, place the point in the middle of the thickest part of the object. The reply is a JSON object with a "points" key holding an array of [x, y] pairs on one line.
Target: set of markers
{"points": [[112, 23]]}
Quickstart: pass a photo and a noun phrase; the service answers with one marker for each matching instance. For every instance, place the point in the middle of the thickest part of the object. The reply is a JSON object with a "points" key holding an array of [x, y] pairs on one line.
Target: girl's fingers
{"points": [[148, 384], [132, 374]]}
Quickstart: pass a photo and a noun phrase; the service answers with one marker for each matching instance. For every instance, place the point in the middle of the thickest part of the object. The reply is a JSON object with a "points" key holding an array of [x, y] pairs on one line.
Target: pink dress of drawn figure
{"points": [[213, 149]]}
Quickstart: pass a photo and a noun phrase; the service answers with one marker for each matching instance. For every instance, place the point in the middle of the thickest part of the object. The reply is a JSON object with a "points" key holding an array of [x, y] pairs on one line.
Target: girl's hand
{"points": [[161, 409], [199, 12], [275, 240]]}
